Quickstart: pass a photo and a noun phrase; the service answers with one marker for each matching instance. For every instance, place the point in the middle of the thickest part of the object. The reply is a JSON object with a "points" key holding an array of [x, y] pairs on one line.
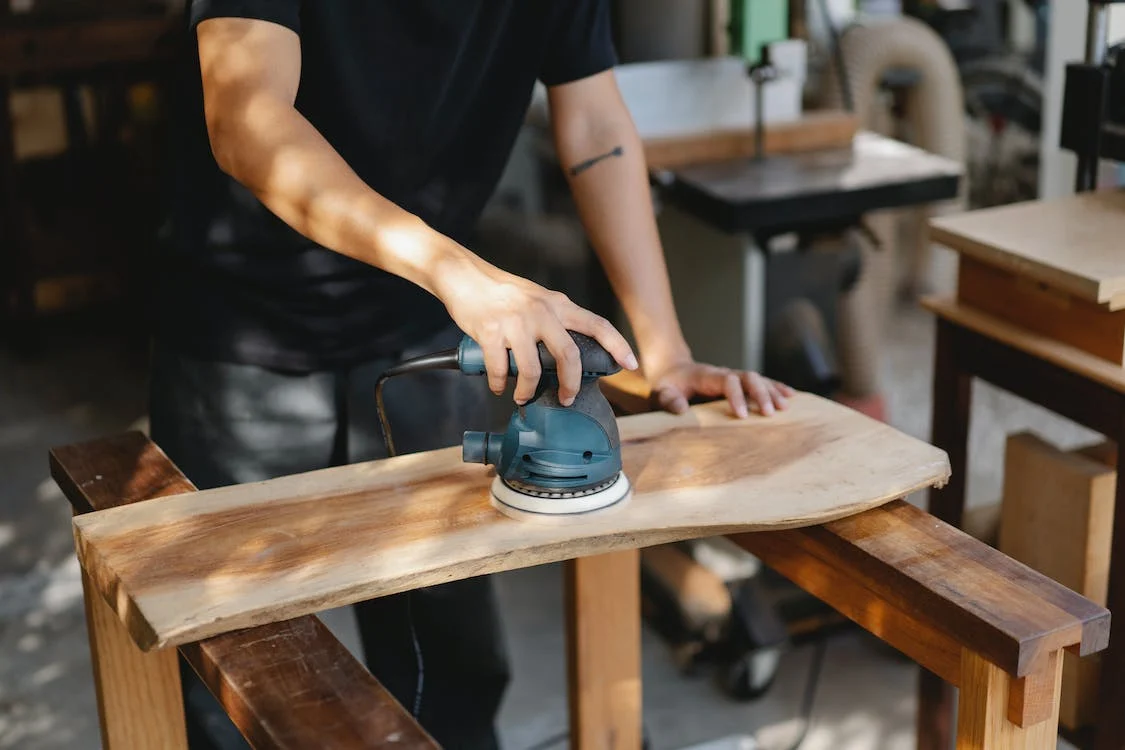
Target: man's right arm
{"points": [[251, 70]]}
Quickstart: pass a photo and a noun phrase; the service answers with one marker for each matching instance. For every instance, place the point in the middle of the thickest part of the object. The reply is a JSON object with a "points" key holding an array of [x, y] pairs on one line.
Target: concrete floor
{"points": [[89, 383]]}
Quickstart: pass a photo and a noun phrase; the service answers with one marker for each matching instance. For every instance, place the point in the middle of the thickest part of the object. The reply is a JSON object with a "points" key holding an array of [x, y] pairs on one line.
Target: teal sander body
{"points": [[551, 459]]}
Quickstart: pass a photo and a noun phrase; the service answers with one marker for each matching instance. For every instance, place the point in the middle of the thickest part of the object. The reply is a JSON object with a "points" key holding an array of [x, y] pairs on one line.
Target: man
{"points": [[330, 158]]}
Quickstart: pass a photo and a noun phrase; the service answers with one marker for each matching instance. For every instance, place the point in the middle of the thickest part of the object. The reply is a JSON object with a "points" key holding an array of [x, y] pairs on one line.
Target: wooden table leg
{"points": [[990, 703], [603, 614], [1111, 691], [139, 699], [952, 397]]}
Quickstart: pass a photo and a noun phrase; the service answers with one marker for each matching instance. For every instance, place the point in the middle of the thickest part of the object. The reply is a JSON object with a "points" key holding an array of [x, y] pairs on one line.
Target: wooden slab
{"points": [[183, 568], [1072, 243], [1041, 308], [814, 131], [254, 673], [1037, 345]]}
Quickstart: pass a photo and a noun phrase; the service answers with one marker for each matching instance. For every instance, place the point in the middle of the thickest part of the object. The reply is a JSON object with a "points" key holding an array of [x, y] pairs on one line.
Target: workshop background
{"points": [[83, 108]]}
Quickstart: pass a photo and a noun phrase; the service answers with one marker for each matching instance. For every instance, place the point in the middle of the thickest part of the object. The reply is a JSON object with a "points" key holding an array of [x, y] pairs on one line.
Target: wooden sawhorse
{"points": [[978, 619], [1073, 384]]}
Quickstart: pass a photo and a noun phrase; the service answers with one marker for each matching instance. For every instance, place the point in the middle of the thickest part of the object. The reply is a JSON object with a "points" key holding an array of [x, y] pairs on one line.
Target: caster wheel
{"points": [[751, 675]]}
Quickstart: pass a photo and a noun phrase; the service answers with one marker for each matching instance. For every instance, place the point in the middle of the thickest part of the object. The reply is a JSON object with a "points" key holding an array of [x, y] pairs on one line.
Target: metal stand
{"points": [[1085, 129]]}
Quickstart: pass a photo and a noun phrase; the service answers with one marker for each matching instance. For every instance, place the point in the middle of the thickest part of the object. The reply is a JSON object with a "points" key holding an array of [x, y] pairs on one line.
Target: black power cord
{"points": [[443, 360], [808, 700]]}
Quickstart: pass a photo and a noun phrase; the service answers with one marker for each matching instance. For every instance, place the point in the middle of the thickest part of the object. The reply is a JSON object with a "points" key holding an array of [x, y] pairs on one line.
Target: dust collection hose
{"points": [[446, 359], [934, 114]]}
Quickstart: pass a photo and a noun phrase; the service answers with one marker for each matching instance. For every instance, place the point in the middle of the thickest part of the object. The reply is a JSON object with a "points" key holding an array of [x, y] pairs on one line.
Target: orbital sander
{"points": [[551, 459]]}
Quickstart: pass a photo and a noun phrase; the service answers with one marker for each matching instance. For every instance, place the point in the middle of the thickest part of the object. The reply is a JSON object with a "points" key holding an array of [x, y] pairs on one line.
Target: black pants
{"points": [[440, 650]]}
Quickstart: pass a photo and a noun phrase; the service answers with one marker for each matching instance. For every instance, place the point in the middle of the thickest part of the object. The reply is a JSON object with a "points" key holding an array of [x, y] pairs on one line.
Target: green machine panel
{"points": [[757, 22]]}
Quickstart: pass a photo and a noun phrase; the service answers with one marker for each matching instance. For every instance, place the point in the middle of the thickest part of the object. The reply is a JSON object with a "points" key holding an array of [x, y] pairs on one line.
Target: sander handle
{"points": [[596, 361]]}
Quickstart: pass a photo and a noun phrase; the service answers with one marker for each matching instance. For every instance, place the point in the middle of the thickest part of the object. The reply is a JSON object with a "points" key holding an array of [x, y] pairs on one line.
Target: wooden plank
{"points": [[1057, 353], [139, 701], [831, 581], [293, 685], [1078, 706], [982, 708], [1057, 518], [815, 131], [368, 530], [1042, 309], [1036, 697], [254, 673], [1071, 243], [603, 616], [1058, 514], [946, 581]]}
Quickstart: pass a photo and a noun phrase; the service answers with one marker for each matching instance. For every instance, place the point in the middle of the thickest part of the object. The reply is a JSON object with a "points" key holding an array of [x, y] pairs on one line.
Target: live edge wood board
{"points": [[186, 567]]}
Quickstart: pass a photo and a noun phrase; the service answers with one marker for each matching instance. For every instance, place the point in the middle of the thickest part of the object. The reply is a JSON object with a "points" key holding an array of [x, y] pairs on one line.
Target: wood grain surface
{"points": [[603, 622], [815, 131], [940, 577], [1072, 243], [188, 567], [254, 673], [1040, 308], [126, 678], [1058, 519], [293, 685], [983, 704], [1037, 345]]}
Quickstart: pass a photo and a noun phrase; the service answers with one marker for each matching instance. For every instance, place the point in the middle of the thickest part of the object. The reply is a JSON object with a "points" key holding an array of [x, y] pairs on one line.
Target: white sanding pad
{"points": [[519, 505]]}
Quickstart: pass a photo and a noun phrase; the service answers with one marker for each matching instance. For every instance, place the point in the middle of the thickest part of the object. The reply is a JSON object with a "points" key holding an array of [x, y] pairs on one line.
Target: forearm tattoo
{"points": [[581, 167]]}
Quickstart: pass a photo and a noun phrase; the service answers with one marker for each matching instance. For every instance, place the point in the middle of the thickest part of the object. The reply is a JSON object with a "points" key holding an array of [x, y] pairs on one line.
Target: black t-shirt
{"points": [[423, 99]]}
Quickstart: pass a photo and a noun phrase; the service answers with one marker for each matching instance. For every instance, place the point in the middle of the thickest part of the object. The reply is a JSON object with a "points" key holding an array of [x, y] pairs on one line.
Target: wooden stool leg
{"points": [[139, 700], [991, 703], [1111, 690], [603, 613], [952, 397]]}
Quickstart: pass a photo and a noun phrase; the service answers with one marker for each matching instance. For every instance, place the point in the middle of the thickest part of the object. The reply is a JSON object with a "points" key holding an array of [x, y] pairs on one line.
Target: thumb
{"points": [[672, 399]]}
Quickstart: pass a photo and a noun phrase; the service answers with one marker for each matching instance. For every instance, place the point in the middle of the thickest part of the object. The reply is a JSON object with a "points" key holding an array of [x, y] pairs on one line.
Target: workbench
{"points": [[717, 220], [1040, 313], [241, 609], [719, 206]]}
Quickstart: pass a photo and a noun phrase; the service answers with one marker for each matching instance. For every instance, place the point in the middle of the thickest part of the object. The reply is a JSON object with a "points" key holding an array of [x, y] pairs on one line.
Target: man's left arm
{"points": [[601, 153]]}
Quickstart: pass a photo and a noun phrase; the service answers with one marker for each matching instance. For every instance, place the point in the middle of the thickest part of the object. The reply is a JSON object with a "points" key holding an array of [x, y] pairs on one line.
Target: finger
{"points": [[756, 387], [708, 380], [597, 327], [567, 358], [779, 399], [529, 368], [672, 400], [496, 363], [784, 389], [732, 387]]}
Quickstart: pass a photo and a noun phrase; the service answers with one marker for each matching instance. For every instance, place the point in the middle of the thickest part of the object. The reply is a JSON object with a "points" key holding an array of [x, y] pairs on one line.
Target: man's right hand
{"points": [[501, 311]]}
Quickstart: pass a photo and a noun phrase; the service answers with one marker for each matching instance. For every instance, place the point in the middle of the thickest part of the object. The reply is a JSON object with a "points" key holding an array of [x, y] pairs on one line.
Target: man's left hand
{"points": [[675, 386]]}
